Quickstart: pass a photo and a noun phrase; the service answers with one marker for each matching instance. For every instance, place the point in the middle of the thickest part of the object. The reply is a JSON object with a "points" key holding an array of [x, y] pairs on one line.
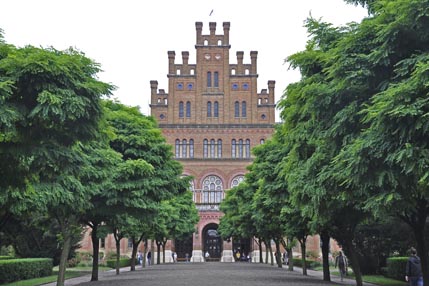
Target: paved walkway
{"points": [[209, 274]]}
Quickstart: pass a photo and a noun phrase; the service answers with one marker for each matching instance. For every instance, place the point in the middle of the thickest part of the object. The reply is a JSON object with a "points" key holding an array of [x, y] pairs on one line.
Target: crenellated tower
{"points": [[213, 116]]}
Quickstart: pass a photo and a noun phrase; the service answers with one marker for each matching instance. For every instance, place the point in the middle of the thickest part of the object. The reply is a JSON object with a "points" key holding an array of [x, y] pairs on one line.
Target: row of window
{"points": [[213, 189], [181, 109], [234, 86], [213, 109], [212, 148]]}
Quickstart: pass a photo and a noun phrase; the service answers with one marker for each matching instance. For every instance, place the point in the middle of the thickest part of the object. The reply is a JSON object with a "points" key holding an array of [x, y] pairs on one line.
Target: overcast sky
{"points": [[130, 38]]}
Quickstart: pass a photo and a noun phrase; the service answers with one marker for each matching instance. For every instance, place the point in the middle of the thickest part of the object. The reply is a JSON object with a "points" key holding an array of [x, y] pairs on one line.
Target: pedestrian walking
{"points": [[413, 271], [140, 257], [341, 262], [149, 257]]}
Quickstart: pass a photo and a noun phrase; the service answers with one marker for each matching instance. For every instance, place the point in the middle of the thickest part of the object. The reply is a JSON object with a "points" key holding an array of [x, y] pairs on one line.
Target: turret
{"points": [[226, 26], [171, 57], [253, 57], [153, 91], [212, 26], [240, 56], [199, 28], [271, 85], [185, 58]]}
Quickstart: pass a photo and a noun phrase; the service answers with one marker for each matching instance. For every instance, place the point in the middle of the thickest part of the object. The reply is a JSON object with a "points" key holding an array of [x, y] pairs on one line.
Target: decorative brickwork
{"points": [[213, 116]]}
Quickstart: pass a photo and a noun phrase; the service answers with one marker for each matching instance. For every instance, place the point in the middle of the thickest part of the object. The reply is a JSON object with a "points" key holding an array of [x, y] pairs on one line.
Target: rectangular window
{"points": [[216, 79], [209, 79], [205, 148], [181, 109], [243, 109], [209, 109], [188, 109], [216, 109]]}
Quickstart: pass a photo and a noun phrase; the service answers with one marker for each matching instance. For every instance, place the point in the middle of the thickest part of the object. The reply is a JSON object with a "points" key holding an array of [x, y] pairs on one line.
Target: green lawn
{"points": [[375, 279], [70, 273]]}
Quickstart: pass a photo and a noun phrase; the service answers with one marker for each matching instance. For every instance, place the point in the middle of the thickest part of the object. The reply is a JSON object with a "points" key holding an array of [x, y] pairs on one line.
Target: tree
{"points": [[146, 176], [50, 103], [388, 162]]}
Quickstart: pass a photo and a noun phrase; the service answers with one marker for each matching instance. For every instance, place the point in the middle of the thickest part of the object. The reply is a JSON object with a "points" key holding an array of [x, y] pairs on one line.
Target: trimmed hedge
{"points": [[26, 268], [396, 267], [311, 264], [123, 262]]}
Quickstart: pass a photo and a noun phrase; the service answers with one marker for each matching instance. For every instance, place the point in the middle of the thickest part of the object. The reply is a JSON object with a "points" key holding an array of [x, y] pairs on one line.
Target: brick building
{"points": [[213, 116]]}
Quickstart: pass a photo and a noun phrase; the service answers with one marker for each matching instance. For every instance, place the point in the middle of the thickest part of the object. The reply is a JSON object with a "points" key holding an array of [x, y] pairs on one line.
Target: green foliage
{"points": [[123, 262], [20, 269], [396, 267], [311, 264], [5, 257]]}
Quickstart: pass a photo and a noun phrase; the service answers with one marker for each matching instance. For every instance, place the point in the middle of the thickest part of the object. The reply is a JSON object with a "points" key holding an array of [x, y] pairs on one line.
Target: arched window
{"points": [[237, 180], [212, 190], [181, 114], [209, 109], [177, 153], [233, 146], [191, 148], [184, 148], [243, 109], [216, 109], [216, 79], [209, 79], [236, 109], [188, 109], [247, 149], [233, 72], [219, 42], [240, 148], [205, 148], [206, 42], [219, 148], [262, 141]]}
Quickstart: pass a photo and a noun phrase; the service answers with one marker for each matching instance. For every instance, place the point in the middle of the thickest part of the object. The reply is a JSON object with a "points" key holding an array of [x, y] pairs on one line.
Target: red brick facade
{"points": [[213, 116]]}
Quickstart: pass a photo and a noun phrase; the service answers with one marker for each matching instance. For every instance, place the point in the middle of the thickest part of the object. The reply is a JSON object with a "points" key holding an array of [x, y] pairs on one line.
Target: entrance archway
{"points": [[212, 242]]}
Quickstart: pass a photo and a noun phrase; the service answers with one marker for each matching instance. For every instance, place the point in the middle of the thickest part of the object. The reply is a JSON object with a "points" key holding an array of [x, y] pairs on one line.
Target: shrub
{"points": [[27, 268], [123, 262], [396, 267], [310, 263], [5, 257]]}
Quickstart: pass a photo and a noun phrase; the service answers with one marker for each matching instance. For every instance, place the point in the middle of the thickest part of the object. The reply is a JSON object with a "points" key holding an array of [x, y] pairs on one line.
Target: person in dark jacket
{"points": [[413, 272]]}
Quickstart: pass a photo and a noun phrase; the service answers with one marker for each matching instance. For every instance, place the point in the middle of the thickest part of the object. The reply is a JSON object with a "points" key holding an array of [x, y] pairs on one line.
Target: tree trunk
{"points": [[324, 237], [163, 251], [95, 251], [144, 253], [354, 262], [271, 253], [152, 247], [118, 253], [261, 258], [290, 259], [302, 242], [158, 252], [134, 255], [64, 255], [266, 252], [278, 254]]}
